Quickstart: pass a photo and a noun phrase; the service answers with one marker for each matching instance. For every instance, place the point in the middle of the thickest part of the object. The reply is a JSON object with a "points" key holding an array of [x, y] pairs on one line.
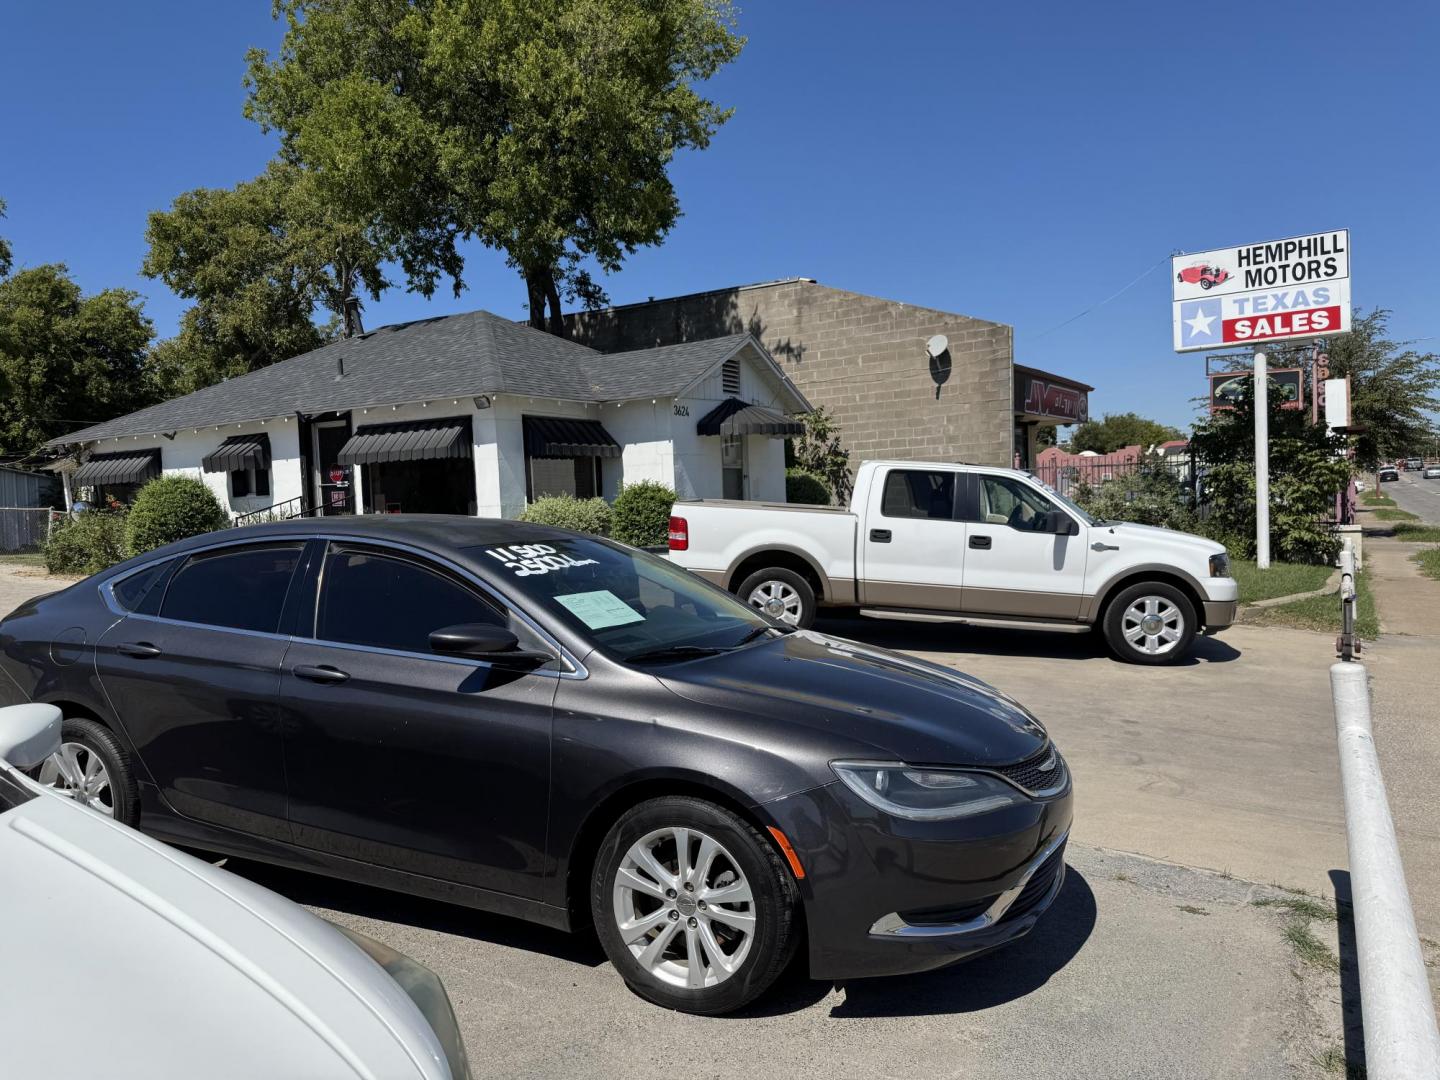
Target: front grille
{"points": [[1037, 887], [1043, 772]]}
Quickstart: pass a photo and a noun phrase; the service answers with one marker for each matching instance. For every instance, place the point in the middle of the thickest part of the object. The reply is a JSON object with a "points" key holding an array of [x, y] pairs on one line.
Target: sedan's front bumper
{"points": [[886, 896]]}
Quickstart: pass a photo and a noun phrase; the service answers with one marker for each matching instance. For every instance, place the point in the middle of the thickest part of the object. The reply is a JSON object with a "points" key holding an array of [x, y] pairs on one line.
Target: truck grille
{"points": [[1043, 772]]}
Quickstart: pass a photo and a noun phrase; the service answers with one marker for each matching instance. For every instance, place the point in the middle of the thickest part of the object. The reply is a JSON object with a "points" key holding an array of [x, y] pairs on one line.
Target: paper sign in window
{"points": [[600, 609]]}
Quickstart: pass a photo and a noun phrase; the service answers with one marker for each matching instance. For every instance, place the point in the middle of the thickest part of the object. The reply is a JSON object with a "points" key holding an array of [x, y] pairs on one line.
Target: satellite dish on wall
{"points": [[937, 345]]}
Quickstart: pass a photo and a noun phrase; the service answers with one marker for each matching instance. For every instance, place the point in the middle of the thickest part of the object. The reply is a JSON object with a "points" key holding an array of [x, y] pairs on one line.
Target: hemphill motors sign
{"points": [[1277, 291]]}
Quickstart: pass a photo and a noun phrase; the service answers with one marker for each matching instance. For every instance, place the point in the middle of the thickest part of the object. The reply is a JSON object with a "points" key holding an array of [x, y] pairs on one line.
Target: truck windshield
{"points": [[1069, 504], [625, 601]]}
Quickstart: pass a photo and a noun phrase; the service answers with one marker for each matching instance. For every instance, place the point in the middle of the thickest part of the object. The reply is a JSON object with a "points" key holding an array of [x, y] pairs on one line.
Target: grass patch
{"points": [[1323, 613], [1374, 498], [1282, 579], [1332, 1060], [1191, 909], [1429, 561], [1417, 533], [1298, 905], [30, 559], [1386, 514], [1309, 948]]}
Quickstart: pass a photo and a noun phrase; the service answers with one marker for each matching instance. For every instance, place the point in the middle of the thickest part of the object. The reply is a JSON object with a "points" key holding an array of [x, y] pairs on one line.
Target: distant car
{"points": [[1414, 464], [1360, 485], [1387, 472], [121, 950], [1201, 274], [1432, 472]]}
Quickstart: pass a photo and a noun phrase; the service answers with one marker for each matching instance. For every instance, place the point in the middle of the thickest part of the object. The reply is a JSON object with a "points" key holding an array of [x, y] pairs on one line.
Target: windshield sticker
{"points": [[597, 610], [526, 559]]}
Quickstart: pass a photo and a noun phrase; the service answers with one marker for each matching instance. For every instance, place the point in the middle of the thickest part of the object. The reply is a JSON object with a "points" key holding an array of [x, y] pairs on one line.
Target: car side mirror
{"points": [[1060, 523], [29, 734], [482, 641]]}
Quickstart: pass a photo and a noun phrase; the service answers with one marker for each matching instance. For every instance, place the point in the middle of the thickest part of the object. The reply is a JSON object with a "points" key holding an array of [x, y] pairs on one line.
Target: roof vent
{"points": [[353, 324], [339, 367]]}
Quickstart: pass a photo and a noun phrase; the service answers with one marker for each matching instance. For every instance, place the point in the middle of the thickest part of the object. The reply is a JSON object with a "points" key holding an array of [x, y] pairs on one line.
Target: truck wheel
{"points": [[1150, 623], [781, 594]]}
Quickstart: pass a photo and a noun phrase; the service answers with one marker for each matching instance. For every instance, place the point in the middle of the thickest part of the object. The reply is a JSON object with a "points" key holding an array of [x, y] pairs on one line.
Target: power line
{"points": [[1112, 296]]}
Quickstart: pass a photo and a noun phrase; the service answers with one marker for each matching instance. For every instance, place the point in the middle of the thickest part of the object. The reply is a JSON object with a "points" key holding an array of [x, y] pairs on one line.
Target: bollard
{"points": [[1401, 1040]]}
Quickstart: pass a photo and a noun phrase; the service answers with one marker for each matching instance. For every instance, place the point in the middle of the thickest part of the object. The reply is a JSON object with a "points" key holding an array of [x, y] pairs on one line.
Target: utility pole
{"points": [[1262, 462]]}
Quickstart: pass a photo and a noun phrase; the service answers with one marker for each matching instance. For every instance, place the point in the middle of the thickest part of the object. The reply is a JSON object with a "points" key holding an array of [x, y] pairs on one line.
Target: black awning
{"points": [[412, 440], [125, 467], [734, 417], [239, 452], [552, 437]]}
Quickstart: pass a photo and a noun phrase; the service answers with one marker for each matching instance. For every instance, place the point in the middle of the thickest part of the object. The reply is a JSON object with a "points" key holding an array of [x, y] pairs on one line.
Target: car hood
{"points": [[863, 700], [123, 950], [1169, 537]]}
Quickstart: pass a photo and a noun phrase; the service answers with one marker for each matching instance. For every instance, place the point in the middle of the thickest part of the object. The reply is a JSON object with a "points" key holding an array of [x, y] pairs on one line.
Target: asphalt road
{"points": [[1417, 495]]}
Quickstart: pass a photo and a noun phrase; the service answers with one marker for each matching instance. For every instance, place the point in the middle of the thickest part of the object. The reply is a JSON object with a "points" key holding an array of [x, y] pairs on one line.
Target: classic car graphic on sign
{"points": [[1203, 274]]}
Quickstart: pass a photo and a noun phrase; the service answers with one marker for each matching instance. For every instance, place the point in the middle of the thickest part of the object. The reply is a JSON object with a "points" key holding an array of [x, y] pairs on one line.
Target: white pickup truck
{"points": [[963, 543]]}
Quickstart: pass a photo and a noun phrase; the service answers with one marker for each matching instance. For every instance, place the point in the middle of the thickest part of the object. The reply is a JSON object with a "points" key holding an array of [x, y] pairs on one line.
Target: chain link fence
{"points": [[24, 528]]}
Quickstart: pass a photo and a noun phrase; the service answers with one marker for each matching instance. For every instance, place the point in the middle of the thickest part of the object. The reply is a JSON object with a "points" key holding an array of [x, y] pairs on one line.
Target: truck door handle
{"points": [[322, 674], [880, 536], [1098, 546], [141, 650], [982, 542]]}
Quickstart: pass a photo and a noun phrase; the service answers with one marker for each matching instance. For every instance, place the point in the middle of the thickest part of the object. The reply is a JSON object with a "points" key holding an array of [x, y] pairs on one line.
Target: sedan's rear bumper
{"points": [[885, 896]]}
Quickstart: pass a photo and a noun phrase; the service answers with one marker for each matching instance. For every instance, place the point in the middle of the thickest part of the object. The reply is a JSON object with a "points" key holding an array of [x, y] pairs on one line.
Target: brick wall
{"points": [[862, 357]]}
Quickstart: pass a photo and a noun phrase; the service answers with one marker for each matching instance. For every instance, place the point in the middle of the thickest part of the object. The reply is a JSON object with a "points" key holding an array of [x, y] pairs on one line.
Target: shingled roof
{"points": [[450, 356]]}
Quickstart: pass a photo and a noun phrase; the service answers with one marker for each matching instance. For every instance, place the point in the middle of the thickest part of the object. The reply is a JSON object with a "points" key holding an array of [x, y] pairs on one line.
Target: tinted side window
{"points": [[910, 493], [241, 588], [129, 591], [367, 598]]}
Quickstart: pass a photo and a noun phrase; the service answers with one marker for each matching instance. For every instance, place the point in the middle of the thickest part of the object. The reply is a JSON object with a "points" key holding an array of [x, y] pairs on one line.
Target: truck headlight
{"points": [[926, 794], [1220, 565], [424, 988]]}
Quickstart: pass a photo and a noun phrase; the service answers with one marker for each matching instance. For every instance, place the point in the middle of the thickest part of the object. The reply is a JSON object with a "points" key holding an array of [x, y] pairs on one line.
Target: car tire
{"points": [[677, 950], [782, 594], [93, 768], [1150, 623]]}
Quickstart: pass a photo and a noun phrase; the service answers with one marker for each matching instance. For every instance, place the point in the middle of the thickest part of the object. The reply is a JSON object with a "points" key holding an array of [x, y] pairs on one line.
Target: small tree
{"points": [[641, 514], [171, 508], [819, 452]]}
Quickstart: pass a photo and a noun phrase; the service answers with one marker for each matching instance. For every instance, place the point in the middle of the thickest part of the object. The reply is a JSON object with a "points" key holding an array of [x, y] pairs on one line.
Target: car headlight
{"points": [[424, 988], [922, 794], [1220, 565]]}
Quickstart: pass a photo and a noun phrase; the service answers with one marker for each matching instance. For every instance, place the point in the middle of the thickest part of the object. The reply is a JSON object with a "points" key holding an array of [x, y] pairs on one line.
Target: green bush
{"points": [[86, 543], [1154, 496], [641, 515], [171, 508], [567, 512], [806, 487]]}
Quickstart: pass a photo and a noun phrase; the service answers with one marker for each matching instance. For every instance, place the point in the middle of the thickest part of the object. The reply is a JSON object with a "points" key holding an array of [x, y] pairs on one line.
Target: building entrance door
{"points": [[334, 486], [732, 466]]}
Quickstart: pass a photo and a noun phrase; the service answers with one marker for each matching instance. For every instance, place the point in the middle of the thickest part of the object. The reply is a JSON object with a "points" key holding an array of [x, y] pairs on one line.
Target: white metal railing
{"points": [[1401, 1040]]}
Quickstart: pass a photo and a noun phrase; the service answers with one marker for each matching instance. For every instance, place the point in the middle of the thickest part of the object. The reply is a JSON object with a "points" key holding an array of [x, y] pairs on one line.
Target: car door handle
{"points": [[323, 674], [141, 650], [1098, 546], [880, 536], [982, 542]]}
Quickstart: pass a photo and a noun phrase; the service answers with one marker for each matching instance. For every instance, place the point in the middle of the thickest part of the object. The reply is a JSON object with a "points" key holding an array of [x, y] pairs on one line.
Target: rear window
{"points": [[130, 591], [915, 494], [235, 588]]}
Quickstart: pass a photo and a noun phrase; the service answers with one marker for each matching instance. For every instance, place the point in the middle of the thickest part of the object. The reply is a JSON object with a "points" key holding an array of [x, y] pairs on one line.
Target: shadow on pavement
{"points": [[960, 640], [316, 890], [1349, 975]]}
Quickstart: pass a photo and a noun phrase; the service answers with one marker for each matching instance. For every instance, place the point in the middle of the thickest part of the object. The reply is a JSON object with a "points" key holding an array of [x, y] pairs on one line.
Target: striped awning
{"points": [[239, 452], [412, 440], [125, 467], [735, 417], [553, 437]]}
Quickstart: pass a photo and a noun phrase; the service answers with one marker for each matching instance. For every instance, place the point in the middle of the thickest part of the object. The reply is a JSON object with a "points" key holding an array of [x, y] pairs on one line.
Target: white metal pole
{"points": [[1401, 1041], [1262, 462]]}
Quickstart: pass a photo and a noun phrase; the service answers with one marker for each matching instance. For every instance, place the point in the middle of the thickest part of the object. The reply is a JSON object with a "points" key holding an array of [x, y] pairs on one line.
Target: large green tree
{"points": [[259, 260], [543, 128], [66, 359], [5, 254], [1117, 430], [1394, 389]]}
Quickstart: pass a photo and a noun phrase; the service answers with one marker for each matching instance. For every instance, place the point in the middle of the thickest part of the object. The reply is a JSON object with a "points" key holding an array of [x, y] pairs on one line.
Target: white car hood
{"points": [[1153, 534], [137, 960]]}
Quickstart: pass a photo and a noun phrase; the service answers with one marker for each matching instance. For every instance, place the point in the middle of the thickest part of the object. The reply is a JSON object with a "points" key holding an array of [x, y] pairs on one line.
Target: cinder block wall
{"points": [[862, 357]]}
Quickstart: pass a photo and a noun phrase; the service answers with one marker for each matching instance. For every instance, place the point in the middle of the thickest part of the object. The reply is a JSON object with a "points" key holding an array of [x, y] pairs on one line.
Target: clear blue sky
{"points": [[1018, 162]]}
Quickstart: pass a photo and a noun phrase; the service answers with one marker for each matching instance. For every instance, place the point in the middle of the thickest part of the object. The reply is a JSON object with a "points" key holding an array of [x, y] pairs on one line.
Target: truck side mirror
{"points": [[1060, 523]]}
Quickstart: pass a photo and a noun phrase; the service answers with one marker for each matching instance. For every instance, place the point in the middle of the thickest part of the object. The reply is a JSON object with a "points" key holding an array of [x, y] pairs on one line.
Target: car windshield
{"points": [[633, 605], [1069, 504]]}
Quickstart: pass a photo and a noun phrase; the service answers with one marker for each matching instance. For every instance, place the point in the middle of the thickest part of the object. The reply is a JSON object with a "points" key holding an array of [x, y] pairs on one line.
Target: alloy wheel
{"points": [[778, 600], [1153, 625], [684, 908], [78, 772]]}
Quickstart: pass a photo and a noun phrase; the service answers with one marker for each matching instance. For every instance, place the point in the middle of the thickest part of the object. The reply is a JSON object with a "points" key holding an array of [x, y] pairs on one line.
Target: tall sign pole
{"points": [[1284, 290], [1262, 462]]}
